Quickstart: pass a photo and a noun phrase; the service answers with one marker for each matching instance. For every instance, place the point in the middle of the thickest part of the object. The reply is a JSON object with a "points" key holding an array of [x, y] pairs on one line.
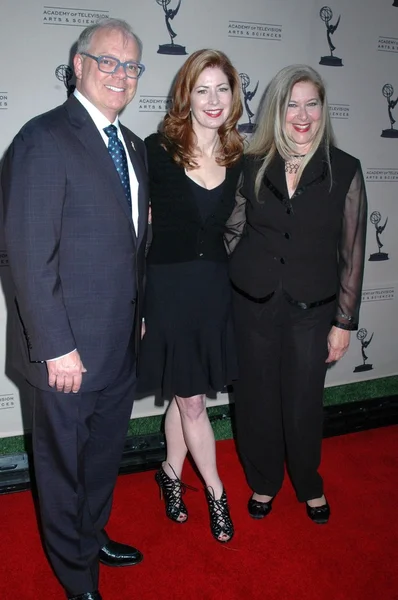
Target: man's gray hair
{"points": [[86, 36]]}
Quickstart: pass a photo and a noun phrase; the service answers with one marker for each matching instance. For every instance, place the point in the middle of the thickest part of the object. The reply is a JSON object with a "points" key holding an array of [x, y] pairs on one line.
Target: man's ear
{"points": [[78, 65]]}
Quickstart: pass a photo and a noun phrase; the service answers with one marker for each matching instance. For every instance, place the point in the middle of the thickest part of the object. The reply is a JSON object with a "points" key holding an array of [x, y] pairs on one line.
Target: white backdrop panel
{"points": [[260, 37]]}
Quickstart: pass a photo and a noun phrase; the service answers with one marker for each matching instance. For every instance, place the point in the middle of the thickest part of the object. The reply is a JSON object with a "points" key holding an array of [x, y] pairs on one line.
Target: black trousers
{"points": [[78, 442], [279, 394]]}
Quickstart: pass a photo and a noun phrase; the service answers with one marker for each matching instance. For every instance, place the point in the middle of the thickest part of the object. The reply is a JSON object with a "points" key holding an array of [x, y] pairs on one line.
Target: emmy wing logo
{"points": [[375, 219], [388, 91], [326, 15], [64, 73], [169, 15], [362, 334], [247, 97]]}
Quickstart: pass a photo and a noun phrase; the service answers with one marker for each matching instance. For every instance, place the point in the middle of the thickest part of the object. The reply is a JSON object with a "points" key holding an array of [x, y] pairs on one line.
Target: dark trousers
{"points": [[78, 442], [279, 394]]}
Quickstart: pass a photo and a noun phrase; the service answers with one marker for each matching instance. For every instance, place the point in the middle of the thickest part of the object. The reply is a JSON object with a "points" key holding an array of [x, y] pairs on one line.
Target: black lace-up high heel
{"points": [[172, 490], [220, 519]]}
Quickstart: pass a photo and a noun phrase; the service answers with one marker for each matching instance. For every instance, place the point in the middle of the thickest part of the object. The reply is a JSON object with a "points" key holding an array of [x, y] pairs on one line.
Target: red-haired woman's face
{"points": [[211, 99]]}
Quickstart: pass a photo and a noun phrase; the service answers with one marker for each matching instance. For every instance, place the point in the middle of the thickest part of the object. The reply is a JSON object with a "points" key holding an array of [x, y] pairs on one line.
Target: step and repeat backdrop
{"points": [[354, 45]]}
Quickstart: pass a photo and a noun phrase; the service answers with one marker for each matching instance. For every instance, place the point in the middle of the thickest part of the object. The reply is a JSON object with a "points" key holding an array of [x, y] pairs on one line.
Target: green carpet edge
{"points": [[340, 394]]}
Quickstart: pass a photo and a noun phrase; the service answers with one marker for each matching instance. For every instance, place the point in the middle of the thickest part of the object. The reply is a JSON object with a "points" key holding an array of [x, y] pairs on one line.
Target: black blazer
{"points": [[75, 259], [179, 234], [312, 244]]}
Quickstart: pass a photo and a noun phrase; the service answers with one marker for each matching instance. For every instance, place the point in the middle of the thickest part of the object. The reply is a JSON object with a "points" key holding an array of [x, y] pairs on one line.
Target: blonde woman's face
{"points": [[303, 116]]}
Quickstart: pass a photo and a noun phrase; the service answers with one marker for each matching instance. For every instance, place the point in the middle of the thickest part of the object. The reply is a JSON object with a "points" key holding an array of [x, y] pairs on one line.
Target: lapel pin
{"points": [[132, 144]]}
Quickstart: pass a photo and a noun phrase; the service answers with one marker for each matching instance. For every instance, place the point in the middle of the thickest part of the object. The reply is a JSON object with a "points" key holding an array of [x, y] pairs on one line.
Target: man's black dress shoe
{"points": [[87, 596], [114, 554], [259, 510], [319, 514]]}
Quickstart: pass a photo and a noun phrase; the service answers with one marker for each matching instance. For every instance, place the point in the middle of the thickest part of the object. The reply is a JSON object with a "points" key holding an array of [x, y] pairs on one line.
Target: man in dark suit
{"points": [[75, 214]]}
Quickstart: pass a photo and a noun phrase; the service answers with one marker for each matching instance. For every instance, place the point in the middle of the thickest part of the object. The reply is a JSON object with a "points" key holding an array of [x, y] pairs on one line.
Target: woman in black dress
{"points": [[188, 348], [297, 276]]}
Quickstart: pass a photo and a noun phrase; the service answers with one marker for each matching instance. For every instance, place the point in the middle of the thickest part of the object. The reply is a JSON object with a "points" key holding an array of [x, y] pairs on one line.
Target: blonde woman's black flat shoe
{"points": [[259, 510], [319, 514]]}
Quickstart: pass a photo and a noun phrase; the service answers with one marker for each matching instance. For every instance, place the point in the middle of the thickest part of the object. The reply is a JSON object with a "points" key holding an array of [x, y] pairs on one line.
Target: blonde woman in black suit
{"points": [[300, 221]]}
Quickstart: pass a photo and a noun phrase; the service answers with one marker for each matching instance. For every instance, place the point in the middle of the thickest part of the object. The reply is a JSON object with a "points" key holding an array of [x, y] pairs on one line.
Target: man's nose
{"points": [[120, 72]]}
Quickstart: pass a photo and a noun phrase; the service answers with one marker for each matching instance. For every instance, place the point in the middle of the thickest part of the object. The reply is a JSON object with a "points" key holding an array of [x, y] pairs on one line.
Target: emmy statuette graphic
{"points": [[169, 15], [326, 15], [247, 97], [387, 91], [375, 219], [361, 336], [64, 73]]}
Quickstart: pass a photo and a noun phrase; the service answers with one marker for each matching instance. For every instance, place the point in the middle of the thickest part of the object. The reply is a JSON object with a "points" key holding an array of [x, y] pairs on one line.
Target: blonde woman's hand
{"points": [[338, 342]]}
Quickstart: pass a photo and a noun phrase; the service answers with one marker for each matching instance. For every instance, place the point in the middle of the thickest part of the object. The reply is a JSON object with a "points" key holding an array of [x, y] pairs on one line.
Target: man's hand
{"points": [[338, 342], [65, 374]]}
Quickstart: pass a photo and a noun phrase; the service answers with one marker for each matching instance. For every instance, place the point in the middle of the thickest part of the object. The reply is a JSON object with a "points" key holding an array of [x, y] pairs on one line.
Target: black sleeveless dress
{"points": [[188, 348]]}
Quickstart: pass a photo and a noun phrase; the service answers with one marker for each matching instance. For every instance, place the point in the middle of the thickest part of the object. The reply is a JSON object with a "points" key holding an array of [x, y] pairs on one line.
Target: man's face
{"points": [[110, 93]]}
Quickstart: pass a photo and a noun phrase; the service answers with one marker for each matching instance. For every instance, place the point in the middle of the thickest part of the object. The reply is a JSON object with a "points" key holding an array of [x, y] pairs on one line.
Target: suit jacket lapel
{"points": [[90, 137], [275, 179], [141, 174]]}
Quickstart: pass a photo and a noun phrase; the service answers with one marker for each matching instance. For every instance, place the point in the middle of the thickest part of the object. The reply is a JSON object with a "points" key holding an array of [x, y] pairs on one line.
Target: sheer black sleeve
{"points": [[351, 254], [236, 223]]}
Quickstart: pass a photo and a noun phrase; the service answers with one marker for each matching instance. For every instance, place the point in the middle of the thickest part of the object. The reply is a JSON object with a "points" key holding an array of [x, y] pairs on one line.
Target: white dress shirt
{"points": [[101, 122]]}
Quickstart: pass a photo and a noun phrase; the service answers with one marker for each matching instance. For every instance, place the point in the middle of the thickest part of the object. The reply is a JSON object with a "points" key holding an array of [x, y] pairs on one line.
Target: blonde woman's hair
{"points": [[270, 135]]}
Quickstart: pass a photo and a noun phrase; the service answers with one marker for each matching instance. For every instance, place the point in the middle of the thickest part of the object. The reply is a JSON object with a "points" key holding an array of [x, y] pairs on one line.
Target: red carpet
{"points": [[283, 557]]}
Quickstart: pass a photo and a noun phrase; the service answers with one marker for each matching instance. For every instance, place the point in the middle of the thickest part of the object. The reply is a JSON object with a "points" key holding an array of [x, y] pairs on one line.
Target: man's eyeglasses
{"points": [[110, 64]]}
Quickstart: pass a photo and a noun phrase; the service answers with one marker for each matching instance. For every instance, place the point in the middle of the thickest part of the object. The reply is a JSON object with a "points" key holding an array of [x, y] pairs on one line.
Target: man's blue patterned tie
{"points": [[118, 155]]}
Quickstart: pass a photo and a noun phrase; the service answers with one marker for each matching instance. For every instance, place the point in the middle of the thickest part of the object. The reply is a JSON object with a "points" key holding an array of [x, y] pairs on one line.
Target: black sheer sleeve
{"points": [[351, 254], [236, 223]]}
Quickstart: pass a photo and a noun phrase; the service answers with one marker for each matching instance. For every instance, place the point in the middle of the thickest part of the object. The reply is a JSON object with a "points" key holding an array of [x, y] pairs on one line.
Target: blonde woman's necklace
{"points": [[293, 164]]}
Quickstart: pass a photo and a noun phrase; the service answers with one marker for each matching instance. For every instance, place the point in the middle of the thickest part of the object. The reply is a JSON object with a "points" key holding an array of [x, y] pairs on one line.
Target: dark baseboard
{"points": [[145, 452], [341, 419]]}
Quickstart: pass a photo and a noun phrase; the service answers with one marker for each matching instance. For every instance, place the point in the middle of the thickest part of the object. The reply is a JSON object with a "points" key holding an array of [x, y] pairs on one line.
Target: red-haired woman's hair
{"points": [[179, 137]]}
